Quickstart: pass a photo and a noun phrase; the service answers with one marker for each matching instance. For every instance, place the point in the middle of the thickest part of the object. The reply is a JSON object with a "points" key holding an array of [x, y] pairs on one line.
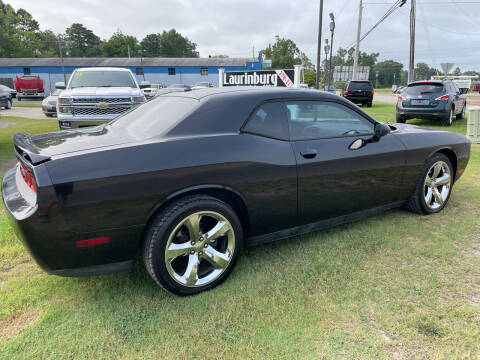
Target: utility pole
{"points": [[332, 29], [411, 65], [61, 57], [357, 47], [319, 43]]}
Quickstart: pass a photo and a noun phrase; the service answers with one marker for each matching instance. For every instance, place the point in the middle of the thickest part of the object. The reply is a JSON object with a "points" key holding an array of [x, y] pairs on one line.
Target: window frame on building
{"points": [[172, 71]]}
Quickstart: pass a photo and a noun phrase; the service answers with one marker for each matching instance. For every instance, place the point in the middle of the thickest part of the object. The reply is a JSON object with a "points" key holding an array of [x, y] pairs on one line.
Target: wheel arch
{"points": [[226, 194], [452, 156]]}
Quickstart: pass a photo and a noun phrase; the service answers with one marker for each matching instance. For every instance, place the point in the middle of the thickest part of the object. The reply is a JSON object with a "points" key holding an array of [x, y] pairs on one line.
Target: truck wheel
{"points": [[369, 104], [19, 98]]}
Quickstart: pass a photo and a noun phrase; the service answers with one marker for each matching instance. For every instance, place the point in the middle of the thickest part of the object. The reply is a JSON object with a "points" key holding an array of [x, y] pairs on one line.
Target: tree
{"points": [[457, 71], [151, 45], [387, 71], [173, 44], [82, 41], [284, 54], [119, 44], [310, 78], [424, 72]]}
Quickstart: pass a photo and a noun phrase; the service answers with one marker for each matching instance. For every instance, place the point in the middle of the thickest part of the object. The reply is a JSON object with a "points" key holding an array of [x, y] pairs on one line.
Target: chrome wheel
{"points": [[438, 182], [200, 248]]}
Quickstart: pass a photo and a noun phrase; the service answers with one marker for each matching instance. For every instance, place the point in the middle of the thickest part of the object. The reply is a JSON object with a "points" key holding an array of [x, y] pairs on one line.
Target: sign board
{"points": [[280, 78], [345, 73], [267, 63], [446, 67]]}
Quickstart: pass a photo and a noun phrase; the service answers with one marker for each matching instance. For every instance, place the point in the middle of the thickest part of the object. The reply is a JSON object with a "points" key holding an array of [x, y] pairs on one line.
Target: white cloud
{"points": [[445, 31]]}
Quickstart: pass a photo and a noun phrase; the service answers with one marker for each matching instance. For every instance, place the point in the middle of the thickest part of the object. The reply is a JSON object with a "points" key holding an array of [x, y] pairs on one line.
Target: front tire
{"points": [[193, 245], [433, 187]]}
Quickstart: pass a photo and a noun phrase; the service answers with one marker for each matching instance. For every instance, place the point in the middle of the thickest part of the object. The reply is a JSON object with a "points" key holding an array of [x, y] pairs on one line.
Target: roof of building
{"points": [[104, 61]]}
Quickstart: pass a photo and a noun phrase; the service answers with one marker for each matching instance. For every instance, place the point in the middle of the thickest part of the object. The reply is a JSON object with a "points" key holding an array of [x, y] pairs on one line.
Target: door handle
{"points": [[308, 153]]}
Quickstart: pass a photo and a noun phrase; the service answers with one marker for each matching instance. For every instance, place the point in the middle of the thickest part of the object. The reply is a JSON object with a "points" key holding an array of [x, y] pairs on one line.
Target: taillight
{"points": [[346, 92], [401, 98], [443, 97], [28, 177], [373, 92]]}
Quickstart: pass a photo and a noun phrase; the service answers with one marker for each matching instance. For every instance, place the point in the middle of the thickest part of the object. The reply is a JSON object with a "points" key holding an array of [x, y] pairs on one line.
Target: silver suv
{"points": [[94, 96]]}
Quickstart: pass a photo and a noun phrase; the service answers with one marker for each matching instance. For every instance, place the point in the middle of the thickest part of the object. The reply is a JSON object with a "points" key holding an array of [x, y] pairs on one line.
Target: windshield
{"points": [[102, 79], [156, 117], [423, 88], [56, 92]]}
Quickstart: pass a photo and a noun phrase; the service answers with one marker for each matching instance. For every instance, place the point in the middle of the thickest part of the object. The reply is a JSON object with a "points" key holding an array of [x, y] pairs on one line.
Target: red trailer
{"points": [[476, 86], [29, 86]]}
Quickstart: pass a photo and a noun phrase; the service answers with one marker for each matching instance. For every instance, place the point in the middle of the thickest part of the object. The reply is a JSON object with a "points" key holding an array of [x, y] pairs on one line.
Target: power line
{"points": [[394, 7]]}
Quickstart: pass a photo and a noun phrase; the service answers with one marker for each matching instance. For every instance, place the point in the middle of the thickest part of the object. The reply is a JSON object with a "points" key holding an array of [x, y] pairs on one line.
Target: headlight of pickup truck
{"points": [[64, 105], [137, 100]]}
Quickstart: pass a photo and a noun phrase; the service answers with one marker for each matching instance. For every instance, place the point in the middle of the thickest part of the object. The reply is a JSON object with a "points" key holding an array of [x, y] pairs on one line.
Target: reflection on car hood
{"points": [[102, 91]]}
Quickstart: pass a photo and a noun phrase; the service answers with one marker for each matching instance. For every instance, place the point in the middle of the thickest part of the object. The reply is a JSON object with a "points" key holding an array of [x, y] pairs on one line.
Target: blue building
{"points": [[164, 71]]}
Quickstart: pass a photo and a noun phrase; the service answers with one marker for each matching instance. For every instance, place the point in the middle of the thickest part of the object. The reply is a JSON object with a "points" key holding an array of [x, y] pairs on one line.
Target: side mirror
{"points": [[463, 91], [60, 85], [145, 84], [380, 130]]}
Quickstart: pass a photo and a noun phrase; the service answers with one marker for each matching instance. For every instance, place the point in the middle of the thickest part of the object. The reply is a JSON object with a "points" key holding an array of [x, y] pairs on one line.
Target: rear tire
{"points": [[400, 118], [426, 200], [369, 104], [461, 115], [193, 245], [448, 120], [9, 104]]}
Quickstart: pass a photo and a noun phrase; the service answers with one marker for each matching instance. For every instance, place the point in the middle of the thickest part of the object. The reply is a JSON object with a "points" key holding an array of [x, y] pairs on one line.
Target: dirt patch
{"points": [[14, 325], [6, 165]]}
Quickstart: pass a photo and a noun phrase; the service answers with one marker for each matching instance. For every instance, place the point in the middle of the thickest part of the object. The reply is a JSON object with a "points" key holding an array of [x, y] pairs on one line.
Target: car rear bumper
{"points": [[440, 110], [52, 241], [359, 99]]}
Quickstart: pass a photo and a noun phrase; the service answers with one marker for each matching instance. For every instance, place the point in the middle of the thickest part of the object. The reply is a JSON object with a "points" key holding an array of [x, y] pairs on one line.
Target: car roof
{"points": [[103, 69], [441, 82], [258, 92]]}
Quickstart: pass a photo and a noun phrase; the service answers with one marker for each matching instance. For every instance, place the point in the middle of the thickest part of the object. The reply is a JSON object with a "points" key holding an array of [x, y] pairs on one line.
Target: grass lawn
{"points": [[384, 90], [27, 103], [394, 286]]}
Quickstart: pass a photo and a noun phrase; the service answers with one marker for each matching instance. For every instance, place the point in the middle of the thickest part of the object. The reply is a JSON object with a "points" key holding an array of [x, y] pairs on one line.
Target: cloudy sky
{"points": [[447, 30]]}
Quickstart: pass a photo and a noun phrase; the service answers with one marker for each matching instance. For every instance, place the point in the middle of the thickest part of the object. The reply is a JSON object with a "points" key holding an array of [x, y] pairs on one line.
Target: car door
{"points": [[333, 178]]}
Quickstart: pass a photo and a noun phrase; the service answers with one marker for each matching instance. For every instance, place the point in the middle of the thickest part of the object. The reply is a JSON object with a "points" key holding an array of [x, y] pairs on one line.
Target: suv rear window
{"points": [[359, 85], [423, 88]]}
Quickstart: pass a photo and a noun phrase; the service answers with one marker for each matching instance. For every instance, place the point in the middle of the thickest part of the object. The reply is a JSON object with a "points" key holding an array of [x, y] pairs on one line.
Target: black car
{"points": [[359, 92], [189, 178], [12, 92], [435, 99], [5, 98]]}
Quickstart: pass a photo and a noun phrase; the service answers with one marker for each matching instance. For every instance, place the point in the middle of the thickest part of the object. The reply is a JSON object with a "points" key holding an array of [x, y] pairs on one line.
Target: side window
{"points": [[317, 119], [269, 120]]}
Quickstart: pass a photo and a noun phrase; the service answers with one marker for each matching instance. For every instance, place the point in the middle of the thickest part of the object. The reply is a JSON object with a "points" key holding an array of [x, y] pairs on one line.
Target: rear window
{"points": [[353, 86], [102, 79], [423, 88], [156, 117]]}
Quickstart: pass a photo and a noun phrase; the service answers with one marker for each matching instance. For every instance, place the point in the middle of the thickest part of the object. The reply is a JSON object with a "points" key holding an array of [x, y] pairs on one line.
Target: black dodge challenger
{"points": [[190, 178]]}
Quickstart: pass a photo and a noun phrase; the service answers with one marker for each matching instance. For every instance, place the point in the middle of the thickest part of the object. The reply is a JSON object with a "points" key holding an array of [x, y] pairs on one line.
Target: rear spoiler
{"points": [[25, 149]]}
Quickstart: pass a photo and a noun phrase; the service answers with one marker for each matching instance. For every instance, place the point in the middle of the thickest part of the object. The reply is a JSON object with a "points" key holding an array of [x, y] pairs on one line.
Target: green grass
{"points": [[26, 103], [396, 285], [384, 90], [386, 112]]}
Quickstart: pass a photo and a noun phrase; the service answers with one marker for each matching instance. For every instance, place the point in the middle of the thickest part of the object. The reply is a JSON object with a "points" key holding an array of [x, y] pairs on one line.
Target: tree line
{"points": [[21, 36]]}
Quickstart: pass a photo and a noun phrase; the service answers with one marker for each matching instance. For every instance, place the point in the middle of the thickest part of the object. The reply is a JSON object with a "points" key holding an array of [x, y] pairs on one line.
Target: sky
{"points": [[446, 30]]}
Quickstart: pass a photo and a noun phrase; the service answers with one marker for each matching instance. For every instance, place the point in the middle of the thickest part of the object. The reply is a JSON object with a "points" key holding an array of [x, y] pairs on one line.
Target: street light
{"points": [[332, 30], [327, 50]]}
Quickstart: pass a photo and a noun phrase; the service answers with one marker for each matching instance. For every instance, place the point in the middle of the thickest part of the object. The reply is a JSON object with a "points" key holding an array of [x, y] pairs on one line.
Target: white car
{"points": [[94, 96]]}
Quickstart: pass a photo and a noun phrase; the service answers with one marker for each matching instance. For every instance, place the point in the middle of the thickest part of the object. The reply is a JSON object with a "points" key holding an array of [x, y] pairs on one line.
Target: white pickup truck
{"points": [[94, 96]]}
